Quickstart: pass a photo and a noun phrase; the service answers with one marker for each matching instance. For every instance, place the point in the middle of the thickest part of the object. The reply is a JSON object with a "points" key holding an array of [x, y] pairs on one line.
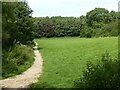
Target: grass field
{"points": [[65, 58]]}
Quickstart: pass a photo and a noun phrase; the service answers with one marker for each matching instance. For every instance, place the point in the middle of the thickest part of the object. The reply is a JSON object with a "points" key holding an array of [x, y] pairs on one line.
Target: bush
{"points": [[16, 60], [86, 32], [105, 74]]}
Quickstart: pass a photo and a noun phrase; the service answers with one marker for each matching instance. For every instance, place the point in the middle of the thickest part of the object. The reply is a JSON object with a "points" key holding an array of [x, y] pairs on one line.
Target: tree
{"points": [[24, 23], [91, 25], [17, 23], [98, 15], [8, 20]]}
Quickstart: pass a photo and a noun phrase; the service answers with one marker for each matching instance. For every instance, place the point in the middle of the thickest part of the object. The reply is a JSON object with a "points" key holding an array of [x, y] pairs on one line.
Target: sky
{"points": [[76, 8]]}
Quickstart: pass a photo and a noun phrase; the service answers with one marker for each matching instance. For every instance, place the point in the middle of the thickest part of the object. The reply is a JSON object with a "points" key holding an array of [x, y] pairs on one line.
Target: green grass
{"points": [[66, 58]]}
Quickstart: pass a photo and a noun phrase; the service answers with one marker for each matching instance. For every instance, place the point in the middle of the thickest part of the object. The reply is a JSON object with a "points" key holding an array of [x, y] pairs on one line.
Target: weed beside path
{"points": [[28, 77]]}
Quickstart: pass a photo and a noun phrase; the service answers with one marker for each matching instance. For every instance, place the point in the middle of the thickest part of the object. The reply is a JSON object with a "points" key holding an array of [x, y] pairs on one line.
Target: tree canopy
{"points": [[97, 22], [17, 23]]}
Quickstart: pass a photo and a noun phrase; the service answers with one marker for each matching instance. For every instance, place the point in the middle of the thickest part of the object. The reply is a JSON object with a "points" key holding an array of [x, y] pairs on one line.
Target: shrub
{"points": [[15, 58], [105, 74], [86, 32]]}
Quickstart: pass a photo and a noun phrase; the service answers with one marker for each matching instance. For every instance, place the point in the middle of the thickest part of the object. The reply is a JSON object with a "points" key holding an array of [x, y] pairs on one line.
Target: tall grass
{"points": [[16, 60]]}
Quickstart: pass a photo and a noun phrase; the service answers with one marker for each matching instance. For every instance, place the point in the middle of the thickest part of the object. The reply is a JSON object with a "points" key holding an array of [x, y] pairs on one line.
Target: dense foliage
{"points": [[17, 34], [16, 60], [57, 26], [97, 22], [17, 24], [104, 74]]}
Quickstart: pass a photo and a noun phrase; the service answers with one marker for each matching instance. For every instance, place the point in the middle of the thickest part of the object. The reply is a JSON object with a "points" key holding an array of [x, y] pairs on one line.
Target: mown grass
{"points": [[66, 58], [16, 60]]}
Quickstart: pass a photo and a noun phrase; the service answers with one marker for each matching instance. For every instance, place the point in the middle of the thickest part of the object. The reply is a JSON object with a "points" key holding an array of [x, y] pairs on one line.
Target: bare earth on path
{"points": [[26, 78]]}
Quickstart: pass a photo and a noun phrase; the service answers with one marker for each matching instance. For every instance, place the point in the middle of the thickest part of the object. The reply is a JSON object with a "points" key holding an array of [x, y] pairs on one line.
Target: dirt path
{"points": [[28, 77]]}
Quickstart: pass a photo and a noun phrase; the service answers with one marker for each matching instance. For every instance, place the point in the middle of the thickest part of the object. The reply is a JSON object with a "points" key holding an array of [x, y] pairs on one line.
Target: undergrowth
{"points": [[16, 59]]}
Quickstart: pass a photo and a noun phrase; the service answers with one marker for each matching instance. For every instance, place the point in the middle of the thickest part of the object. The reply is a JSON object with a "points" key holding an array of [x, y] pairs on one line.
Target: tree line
{"points": [[96, 23]]}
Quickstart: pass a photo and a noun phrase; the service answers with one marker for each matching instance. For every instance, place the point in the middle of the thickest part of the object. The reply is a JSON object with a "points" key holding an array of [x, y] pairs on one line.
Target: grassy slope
{"points": [[65, 58]]}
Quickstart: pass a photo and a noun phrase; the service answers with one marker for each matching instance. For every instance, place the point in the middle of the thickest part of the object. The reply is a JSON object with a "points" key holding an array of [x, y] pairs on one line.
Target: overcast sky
{"points": [[74, 8]]}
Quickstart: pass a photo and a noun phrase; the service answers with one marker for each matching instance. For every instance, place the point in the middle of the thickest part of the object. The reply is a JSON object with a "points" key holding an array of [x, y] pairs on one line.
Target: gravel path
{"points": [[26, 78]]}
